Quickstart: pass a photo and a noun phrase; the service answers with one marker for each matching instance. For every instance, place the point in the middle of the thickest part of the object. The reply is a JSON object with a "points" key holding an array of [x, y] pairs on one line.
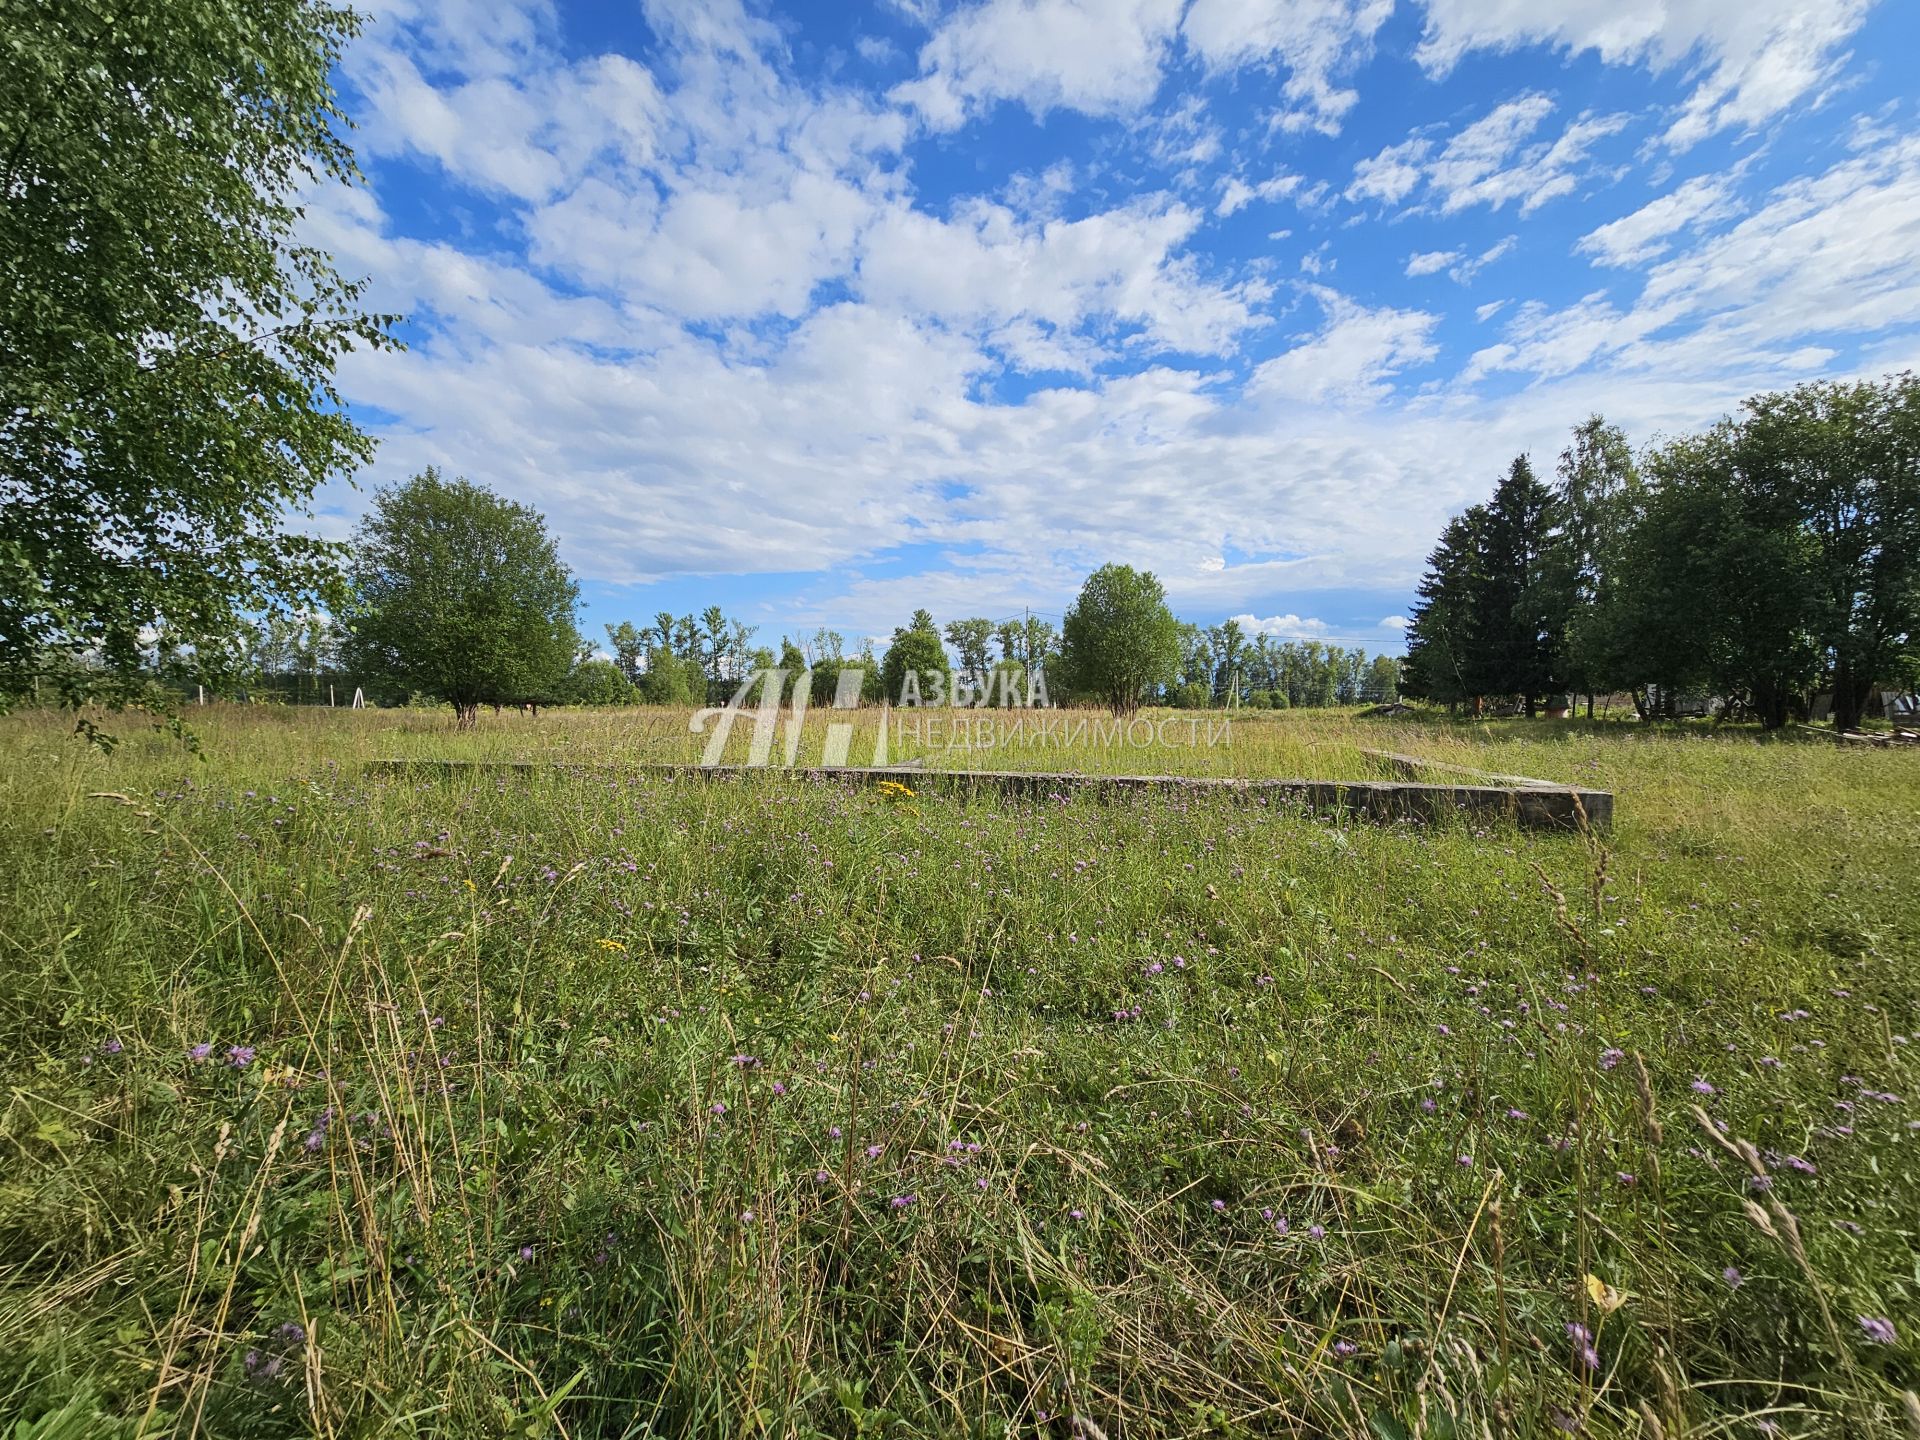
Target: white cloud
{"points": [[1645, 233], [1432, 262], [1317, 41], [1489, 162], [1102, 57], [1352, 358], [1396, 622], [1754, 57], [1236, 194], [526, 136], [1460, 266], [1391, 175], [1283, 627], [1823, 255], [711, 251], [986, 265]]}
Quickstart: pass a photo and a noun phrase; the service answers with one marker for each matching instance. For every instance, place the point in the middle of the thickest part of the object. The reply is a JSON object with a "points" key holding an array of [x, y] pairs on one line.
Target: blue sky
{"points": [[825, 312]]}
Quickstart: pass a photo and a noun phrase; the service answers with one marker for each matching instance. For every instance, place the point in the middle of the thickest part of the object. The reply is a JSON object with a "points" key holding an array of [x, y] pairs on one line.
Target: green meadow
{"points": [[587, 1101]]}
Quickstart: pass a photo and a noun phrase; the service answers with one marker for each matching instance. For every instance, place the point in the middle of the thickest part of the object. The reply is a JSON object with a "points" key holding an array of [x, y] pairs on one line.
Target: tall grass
{"points": [[599, 1103]]}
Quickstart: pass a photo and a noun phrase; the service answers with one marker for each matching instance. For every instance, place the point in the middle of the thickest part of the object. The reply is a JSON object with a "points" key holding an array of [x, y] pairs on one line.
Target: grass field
{"points": [[590, 1103]]}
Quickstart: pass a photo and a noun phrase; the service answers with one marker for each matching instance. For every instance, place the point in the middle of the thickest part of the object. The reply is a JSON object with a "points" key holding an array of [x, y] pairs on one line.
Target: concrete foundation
{"points": [[1534, 805]]}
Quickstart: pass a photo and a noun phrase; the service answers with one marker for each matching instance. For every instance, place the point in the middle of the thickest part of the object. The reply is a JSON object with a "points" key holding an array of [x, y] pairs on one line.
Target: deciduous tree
{"points": [[461, 594], [1120, 641], [167, 347]]}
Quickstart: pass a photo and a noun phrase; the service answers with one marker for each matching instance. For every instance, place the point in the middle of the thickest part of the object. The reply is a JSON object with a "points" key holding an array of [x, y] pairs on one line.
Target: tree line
{"points": [[1769, 559], [459, 594]]}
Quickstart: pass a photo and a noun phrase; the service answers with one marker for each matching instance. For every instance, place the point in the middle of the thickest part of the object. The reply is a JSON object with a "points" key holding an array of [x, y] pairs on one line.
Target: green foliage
{"points": [[1713, 548], [1842, 464], [461, 594], [168, 345], [1768, 556], [672, 680], [1599, 492], [915, 670], [1440, 642], [1119, 641], [972, 640], [629, 649], [597, 682]]}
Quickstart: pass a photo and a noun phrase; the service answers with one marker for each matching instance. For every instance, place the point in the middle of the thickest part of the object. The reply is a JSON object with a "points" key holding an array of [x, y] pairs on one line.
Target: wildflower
{"points": [[198, 1053], [746, 1217], [1611, 1057], [778, 1088], [833, 1132], [264, 1367], [1316, 1232], [1732, 1276], [1760, 1183], [1427, 1105], [1700, 1086], [719, 1107], [1583, 1350], [1344, 1348], [1625, 1177], [1219, 1206], [874, 1151], [1805, 1167], [901, 1202], [1878, 1329], [1464, 1161], [239, 1056], [1071, 1214], [526, 1252], [291, 1333], [1513, 1114], [111, 1046]]}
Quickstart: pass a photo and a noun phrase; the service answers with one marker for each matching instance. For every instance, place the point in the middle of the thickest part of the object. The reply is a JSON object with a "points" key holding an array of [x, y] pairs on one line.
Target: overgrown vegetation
{"points": [[594, 1104]]}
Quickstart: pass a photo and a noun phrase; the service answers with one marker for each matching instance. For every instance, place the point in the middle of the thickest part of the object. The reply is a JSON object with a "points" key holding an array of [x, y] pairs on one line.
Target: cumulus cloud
{"points": [[1351, 358], [1283, 627], [1101, 57]]}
